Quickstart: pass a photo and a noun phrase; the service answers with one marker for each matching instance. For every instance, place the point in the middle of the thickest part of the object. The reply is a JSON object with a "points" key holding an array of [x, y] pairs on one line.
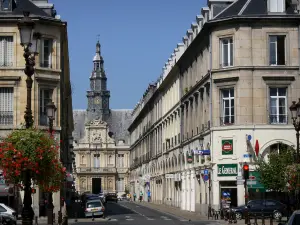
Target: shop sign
{"points": [[227, 170], [227, 147], [190, 156]]}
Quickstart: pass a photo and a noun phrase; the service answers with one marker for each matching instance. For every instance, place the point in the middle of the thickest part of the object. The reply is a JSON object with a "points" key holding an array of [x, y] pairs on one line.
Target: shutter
{"points": [[9, 51], [6, 105], [280, 5], [2, 51], [273, 5]]}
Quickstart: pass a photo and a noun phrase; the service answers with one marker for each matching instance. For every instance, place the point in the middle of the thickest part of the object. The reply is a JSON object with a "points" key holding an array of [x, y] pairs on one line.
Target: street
{"points": [[125, 212]]}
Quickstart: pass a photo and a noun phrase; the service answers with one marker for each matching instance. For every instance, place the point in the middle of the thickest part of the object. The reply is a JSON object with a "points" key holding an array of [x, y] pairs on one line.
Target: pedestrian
{"points": [[149, 195], [141, 196], [134, 196]]}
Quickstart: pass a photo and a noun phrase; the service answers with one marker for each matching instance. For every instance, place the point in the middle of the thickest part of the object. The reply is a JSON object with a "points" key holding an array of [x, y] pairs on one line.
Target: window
{"points": [[97, 160], [276, 5], [6, 106], [120, 160], [46, 53], [278, 105], [226, 52], [277, 49], [227, 106], [6, 5], [82, 159], [6, 51], [45, 98]]}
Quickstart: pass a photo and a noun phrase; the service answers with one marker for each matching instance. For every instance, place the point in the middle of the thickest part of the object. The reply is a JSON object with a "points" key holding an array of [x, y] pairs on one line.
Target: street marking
{"points": [[150, 219], [113, 220], [183, 220], [127, 217], [135, 211], [130, 219]]}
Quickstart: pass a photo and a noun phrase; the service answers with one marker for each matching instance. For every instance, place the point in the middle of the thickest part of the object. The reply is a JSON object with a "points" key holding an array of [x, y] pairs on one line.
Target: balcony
{"points": [[227, 121], [96, 170], [278, 119], [122, 170], [6, 117]]}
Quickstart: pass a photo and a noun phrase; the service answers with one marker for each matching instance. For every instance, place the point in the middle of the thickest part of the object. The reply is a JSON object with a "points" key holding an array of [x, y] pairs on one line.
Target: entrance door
{"points": [[96, 185]]}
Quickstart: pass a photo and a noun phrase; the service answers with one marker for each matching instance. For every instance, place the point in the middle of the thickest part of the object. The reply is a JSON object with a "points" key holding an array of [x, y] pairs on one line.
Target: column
{"points": [[188, 190], [193, 192], [183, 191]]}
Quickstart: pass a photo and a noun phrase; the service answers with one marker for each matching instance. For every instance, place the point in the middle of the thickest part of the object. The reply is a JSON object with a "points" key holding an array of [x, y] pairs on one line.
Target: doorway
{"points": [[96, 185], [228, 190]]}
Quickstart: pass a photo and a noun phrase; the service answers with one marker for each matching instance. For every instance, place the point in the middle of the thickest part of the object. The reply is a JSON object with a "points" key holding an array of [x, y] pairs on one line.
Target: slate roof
{"points": [[118, 123], [249, 8], [19, 6]]}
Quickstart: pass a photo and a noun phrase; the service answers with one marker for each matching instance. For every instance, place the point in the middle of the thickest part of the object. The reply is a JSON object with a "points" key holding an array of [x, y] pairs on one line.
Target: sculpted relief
{"points": [[96, 136]]}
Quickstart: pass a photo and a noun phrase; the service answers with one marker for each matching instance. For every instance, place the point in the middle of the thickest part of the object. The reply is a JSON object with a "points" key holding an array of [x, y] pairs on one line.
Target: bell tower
{"points": [[98, 95]]}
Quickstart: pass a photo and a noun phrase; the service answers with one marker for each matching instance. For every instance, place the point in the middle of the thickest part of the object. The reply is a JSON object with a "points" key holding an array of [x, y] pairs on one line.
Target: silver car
{"points": [[94, 208]]}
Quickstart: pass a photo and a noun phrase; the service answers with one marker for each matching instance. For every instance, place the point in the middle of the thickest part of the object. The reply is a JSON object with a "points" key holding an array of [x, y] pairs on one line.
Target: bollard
{"points": [[271, 220], [93, 217], [246, 216], [36, 220], [76, 217], [255, 219], [263, 218]]}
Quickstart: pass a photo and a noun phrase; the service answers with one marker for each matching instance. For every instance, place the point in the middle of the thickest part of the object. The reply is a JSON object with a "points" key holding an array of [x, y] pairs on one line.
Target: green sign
{"points": [[227, 170], [227, 147], [254, 176]]}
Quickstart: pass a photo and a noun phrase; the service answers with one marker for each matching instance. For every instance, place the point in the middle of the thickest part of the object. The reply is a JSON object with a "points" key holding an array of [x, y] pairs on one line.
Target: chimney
{"points": [[205, 14], [217, 6]]}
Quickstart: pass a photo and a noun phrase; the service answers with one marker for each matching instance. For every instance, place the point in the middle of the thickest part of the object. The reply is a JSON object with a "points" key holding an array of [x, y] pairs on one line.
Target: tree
{"points": [[273, 172]]}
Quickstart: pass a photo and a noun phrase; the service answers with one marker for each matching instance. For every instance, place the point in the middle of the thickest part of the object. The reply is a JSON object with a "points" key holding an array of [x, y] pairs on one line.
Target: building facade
{"points": [[101, 139], [224, 93], [51, 81]]}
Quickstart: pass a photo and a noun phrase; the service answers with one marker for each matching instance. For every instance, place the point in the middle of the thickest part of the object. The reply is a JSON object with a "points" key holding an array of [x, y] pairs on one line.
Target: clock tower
{"points": [[98, 95]]}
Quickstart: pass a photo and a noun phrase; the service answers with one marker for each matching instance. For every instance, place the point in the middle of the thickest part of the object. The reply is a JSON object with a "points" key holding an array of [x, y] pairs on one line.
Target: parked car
{"points": [[268, 207], [111, 197], [294, 219], [94, 208], [6, 209], [7, 219]]}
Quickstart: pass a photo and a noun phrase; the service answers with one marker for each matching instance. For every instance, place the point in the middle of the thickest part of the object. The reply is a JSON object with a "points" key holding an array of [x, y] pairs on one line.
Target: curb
{"points": [[171, 214]]}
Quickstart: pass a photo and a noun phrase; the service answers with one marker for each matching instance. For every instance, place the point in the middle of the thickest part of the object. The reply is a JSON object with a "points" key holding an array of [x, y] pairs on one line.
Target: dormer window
{"points": [[277, 6], [6, 5]]}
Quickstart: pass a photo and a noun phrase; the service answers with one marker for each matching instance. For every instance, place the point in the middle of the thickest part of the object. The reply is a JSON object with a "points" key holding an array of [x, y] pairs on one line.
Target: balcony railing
{"points": [[6, 117], [96, 170], [6, 64], [278, 119]]}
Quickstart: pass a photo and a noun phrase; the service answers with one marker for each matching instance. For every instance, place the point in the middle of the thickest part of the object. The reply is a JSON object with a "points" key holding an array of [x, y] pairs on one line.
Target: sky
{"points": [[137, 37]]}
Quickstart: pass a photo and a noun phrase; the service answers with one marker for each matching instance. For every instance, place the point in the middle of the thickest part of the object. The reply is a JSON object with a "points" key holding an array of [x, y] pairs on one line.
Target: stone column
{"points": [[188, 190], [193, 192], [183, 191]]}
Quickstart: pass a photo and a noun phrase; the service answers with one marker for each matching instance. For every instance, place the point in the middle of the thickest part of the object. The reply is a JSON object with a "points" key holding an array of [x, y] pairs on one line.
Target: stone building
{"points": [[224, 91], [101, 139], [51, 81]]}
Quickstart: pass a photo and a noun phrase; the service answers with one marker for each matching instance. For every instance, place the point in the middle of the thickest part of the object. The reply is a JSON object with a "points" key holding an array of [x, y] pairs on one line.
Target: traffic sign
{"points": [[251, 182], [205, 172], [205, 177]]}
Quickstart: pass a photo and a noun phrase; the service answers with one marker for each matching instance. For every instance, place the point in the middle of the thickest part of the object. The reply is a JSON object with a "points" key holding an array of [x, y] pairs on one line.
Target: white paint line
{"points": [[129, 219], [127, 216], [113, 220], [167, 219], [150, 219], [135, 211]]}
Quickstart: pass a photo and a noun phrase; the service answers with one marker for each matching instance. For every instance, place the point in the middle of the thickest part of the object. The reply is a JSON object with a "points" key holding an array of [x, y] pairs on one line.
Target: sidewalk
{"points": [[43, 221], [176, 212]]}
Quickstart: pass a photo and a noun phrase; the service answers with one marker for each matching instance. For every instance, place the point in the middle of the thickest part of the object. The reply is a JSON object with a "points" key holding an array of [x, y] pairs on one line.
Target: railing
{"points": [[278, 119], [6, 64], [96, 170], [6, 117], [227, 120]]}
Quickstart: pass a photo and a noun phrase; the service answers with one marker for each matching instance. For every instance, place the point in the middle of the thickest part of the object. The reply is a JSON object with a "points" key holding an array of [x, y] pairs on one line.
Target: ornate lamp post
{"points": [[51, 109], [295, 111], [26, 28]]}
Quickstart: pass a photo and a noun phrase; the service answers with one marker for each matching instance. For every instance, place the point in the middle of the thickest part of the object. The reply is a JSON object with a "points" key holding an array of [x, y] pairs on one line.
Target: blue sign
{"points": [[249, 137], [247, 155], [202, 152], [226, 194], [205, 177], [205, 172]]}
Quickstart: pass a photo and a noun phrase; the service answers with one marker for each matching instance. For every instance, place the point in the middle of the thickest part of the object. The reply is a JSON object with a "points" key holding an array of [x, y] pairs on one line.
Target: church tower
{"points": [[98, 95]]}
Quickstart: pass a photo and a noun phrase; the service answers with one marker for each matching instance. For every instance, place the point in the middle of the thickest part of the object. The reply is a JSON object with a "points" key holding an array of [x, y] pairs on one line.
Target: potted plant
{"points": [[32, 154]]}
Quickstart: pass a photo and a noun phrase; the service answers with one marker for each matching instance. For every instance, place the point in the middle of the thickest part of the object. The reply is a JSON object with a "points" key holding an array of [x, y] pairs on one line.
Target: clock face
{"points": [[97, 100]]}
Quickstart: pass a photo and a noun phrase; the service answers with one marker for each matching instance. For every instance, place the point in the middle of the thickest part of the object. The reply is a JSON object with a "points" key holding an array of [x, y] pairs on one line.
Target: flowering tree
{"points": [[293, 176], [35, 151]]}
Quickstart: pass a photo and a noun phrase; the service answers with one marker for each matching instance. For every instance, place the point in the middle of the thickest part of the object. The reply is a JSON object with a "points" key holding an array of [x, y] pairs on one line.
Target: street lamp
{"points": [[295, 111], [51, 109], [26, 28]]}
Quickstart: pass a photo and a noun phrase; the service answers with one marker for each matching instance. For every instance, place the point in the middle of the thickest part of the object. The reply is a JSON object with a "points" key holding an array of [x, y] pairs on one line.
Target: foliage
{"points": [[273, 171], [127, 191], [293, 178], [35, 151]]}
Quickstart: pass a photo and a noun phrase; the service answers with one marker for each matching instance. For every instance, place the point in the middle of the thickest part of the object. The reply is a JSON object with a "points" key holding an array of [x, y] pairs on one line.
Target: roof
{"points": [[19, 6], [118, 123], [248, 8]]}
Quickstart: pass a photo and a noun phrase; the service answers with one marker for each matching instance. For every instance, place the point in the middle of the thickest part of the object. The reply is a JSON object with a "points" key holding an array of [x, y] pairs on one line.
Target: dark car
{"points": [[268, 208], [7, 219], [111, 197]]}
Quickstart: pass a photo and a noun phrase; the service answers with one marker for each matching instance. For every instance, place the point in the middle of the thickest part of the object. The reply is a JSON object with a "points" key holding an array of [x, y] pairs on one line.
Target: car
{"points": [[294, 219], [94, 208], [111, 197], [6, 209], [268, 207], [7, 219]]}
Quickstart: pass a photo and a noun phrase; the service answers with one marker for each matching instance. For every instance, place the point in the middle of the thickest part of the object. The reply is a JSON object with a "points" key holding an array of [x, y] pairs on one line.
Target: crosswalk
{"points": [[131, 218]]}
